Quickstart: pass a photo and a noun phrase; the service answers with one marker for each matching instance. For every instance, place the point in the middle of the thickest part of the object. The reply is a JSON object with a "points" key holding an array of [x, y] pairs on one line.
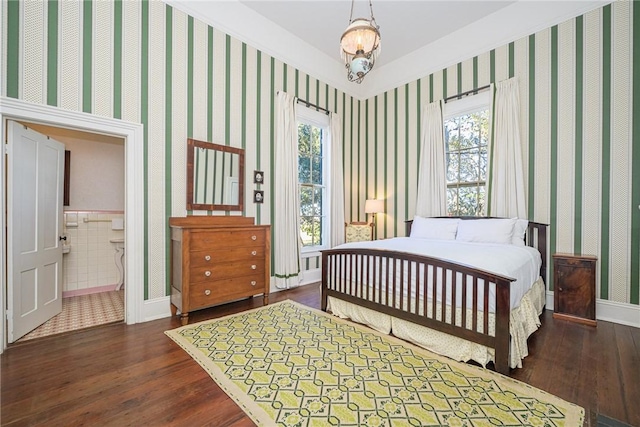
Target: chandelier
{"points": [[360, 45]]}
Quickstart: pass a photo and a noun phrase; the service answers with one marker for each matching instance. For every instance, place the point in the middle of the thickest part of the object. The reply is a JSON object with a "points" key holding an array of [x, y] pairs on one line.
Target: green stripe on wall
{"points": [[258, 125], [13, 49], [492, 66], [635, 163], [554, 149], [144, 118], [272, 142], [444, 83], [418, 129], [168, 114], [511, 59], [210, 84], [579, 76], [396, 166], [366, 150], [606, 153], [532, 125], [189, 77], [406, 151], [243, 107], [52, 52], [359, 154], [87, 56], [459, 82], [227, 93], [475, 72], [117, 60], [386, 168]]}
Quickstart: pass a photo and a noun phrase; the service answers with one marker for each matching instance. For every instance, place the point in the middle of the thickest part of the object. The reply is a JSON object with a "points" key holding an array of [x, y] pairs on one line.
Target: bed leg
{"points": [[502, 364]]}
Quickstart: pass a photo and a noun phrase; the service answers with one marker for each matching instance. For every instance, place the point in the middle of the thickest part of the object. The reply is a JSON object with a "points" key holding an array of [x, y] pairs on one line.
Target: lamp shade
{"points": [[374, 206]]}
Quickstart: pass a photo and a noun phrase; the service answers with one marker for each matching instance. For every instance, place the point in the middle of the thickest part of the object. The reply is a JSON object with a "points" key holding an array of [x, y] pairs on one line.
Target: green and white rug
{"points": [[290, 365]]}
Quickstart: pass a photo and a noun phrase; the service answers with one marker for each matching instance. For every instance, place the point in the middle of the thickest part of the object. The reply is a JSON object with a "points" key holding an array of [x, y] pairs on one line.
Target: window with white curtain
{"points": [[467, 124], [313, 160]]}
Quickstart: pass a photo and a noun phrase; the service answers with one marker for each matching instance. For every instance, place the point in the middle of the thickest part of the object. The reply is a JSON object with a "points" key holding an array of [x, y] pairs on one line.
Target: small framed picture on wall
{"points": [[258, 196], [258, 177]]}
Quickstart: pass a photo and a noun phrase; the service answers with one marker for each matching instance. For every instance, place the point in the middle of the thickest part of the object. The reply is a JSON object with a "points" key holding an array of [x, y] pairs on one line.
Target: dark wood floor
{"points": [[120, 375]]}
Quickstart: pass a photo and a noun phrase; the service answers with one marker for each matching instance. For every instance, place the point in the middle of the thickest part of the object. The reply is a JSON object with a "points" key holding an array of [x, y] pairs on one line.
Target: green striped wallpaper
{"points": [[580, 119], [147, 62], [150, 63]]}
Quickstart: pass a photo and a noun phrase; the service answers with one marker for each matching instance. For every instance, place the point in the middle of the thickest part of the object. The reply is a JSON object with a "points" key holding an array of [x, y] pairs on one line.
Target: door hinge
{"points": [[6, 148]]}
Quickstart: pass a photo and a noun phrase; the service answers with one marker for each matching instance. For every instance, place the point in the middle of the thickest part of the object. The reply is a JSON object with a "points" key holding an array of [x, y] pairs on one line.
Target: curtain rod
{"points": [[469, 92], [317, 107]]}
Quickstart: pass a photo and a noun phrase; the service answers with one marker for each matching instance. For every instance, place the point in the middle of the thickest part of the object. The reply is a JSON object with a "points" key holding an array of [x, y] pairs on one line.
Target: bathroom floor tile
{"points": [[83, 311]]}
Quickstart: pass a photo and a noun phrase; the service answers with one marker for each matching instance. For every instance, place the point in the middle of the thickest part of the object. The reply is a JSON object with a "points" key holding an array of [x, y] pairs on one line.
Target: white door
{"points": [[35, 169]]}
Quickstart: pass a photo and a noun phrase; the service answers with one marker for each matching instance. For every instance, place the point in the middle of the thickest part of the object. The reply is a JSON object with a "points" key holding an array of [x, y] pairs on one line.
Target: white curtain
{"points": [[336, 183], [286, 223], [432, 180], [507, 192]]}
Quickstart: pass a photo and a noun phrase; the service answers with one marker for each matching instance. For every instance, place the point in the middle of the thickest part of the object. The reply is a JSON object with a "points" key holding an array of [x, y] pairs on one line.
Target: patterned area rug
{"points": [[82, 311], [289, 365]]}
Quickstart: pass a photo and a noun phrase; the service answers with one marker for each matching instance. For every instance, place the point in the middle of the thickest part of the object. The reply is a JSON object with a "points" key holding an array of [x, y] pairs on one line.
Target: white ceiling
{"points": [[417, 37]]}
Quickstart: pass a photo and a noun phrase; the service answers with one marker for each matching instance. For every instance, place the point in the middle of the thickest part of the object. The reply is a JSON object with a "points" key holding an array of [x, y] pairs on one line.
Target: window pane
{"points": [[306, 201], [306, 231], [452, 201], [304, 138], [317, 201], [316, 141], [453, 166], [469, 164], [467, 200], [304, 170], [316, 171]]}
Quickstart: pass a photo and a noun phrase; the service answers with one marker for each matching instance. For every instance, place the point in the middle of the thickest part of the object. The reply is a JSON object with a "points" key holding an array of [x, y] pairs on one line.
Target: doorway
{"points": [[92, 229], [132, 133]]}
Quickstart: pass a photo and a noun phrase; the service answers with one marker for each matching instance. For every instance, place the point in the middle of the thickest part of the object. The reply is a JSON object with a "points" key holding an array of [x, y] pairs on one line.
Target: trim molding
{"points": [[611, 311], [133, 133]]}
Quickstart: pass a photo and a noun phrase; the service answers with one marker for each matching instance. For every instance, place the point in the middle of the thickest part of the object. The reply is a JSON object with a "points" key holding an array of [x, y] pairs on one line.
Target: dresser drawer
{"points": [[206, 294], [226, 270], [224, 239], [210, 258]]}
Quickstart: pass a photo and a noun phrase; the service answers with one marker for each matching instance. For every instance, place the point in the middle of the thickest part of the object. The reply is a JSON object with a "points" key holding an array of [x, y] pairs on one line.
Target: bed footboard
{"points": [[452, 298]]}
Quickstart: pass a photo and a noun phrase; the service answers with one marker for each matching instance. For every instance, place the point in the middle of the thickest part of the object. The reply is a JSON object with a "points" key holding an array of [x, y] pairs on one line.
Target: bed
{"points": [[430, 289]]}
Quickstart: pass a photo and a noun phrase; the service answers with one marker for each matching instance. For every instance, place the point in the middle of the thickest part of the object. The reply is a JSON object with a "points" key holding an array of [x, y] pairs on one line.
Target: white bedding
{"points": [[519, 262]]}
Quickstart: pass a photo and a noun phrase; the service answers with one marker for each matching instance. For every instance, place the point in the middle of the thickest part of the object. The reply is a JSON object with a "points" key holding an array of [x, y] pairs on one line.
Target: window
{"points": [[466, 138], [313, 131]]}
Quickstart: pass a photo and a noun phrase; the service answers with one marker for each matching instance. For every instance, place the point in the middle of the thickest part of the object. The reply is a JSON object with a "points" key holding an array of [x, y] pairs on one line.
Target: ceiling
{"points": [[417, 37]]}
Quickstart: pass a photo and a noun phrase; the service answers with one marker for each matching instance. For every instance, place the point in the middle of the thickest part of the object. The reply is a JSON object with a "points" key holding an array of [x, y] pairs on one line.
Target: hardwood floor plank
{"points": [[120, 375]]}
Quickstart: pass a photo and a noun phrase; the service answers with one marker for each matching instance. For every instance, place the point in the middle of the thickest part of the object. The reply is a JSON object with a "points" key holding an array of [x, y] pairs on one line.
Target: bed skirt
{"points": [[524, 320]]}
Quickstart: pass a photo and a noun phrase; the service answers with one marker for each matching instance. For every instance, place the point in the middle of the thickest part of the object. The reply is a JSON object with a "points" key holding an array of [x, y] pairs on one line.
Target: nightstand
{"points": [[574, 295]]}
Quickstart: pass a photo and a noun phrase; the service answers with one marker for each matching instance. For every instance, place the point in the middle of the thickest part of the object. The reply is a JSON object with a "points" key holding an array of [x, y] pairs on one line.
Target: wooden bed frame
{"points": [[346, 284]]}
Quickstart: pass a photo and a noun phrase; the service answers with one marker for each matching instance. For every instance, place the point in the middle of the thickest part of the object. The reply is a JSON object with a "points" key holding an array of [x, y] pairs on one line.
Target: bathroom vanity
{"points": [[217, 259]]}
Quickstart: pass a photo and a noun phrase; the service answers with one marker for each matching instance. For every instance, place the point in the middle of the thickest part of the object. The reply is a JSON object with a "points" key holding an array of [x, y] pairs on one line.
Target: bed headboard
{"points": [[536, 237]]}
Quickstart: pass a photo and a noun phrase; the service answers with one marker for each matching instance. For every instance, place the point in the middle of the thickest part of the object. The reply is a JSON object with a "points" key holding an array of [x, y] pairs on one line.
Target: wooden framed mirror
{"points": [[215, 176]]}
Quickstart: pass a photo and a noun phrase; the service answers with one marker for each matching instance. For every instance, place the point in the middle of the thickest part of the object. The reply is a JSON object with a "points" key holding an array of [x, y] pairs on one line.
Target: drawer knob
{"points": [[253, 283], [207, 292], [207, 273], [253, 266], [254, 237], [560, 289], [207, 257], [254, 253]]}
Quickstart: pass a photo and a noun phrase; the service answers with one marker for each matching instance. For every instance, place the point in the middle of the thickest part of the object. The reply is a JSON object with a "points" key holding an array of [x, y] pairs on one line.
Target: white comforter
{"points": [[519, 262]]}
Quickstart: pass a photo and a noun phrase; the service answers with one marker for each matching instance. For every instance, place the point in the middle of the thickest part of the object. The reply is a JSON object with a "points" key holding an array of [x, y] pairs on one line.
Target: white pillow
{"points": [[486, 230], [519, 229], [434, 228]]}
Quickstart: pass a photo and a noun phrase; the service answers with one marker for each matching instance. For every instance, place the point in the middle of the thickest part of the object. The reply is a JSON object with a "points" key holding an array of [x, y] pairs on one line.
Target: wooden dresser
{"points": [[574, 281], [217, 259]]}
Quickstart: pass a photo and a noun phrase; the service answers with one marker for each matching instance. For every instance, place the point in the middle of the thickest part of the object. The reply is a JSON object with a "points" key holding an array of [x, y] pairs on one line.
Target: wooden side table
{"points": [[574, 296]]}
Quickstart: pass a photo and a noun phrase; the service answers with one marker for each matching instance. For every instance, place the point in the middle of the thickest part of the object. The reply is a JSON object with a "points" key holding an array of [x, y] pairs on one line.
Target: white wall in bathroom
{"points": [[90, 265], [97, 169]]}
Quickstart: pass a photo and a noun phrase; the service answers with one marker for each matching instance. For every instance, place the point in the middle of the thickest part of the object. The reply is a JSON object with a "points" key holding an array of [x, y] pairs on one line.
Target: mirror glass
{"points": [[215, 176]]}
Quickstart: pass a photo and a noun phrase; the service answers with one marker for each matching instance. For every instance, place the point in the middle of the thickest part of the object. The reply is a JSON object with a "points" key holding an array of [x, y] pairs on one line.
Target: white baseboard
{"points": [[307, 277], [611, 311], [157, 308]]}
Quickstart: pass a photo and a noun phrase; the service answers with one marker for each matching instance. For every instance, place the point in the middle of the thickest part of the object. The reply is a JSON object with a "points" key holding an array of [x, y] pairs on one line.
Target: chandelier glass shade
{"points": [[360, 46]]}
